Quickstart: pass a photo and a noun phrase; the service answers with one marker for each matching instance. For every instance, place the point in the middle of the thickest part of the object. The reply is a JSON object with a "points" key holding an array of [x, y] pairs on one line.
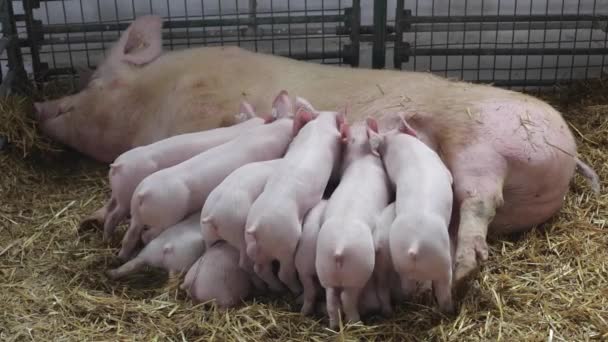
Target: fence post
{"points": [[379, 45], [34, 35], [16, 77]]}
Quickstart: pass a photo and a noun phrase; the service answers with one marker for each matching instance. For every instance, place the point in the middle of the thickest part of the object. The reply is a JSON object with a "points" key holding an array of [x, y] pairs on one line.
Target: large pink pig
{"points": [[174, 250], [167, 196], [419, 241], [345, 247], [216, 276], [512, 156], [274, 223], [225, 212], [131, 167], [304, 259]]}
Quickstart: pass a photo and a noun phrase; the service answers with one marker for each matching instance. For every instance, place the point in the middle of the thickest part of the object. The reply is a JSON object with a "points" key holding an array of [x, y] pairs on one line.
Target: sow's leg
{"points": [[479, 174]]}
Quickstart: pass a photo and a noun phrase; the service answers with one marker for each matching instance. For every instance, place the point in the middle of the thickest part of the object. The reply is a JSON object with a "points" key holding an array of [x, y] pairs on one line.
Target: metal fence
{"points": [[505, 42]]}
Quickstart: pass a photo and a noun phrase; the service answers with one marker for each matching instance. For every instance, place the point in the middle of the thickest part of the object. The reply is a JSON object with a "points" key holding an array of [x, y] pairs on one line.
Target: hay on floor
{"points": [[549, 283]]}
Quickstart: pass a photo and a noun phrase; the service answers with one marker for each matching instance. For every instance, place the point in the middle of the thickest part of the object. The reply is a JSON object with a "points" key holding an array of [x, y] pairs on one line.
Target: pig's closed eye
{"points": [[146, 228]]}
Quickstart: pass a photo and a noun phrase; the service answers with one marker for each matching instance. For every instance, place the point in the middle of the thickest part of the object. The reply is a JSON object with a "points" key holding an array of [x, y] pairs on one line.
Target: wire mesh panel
{"points": [[506, 42], [69, 34]]}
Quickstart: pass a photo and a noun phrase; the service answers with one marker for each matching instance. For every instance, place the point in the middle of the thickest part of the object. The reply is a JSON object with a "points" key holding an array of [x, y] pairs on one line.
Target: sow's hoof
{"points": [[469, 256]]}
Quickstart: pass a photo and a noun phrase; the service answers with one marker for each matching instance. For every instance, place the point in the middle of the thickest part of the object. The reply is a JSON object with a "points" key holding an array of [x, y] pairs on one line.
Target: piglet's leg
{"points": [[264, 271], [350, 303], [131, 266], [479, 174], [112, 219], [333, 307], [310, 294], [130, 240], [246, 264], [443, 294], [96, 217], [287, 274]]}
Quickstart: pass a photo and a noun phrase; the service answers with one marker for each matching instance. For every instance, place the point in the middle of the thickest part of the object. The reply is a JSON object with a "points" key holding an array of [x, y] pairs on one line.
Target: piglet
{"points": [[274, 223], [225, 212], [418, 238], [305, 256], [175, 250], [217, 276], [388, 284], [345, 248], [131, 167], [165, 197]]}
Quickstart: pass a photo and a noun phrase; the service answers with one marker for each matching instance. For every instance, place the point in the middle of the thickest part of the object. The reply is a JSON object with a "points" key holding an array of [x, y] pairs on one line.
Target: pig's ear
{"points": [[405, 127], [341, 116], [141, 43], [375, 139], [303, 104], [302, 117], [282, 106], [372, 126], [246, 112], [345, 132]]}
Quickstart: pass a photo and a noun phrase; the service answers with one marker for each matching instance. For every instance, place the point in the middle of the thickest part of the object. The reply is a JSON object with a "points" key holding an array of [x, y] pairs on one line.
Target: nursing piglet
{"points": [[418, 238], [274, 223], [217, 276], [305, 256], [225, 212], [165, 197], [131, 167], [345, 247], [386, 279], [175, 250]]}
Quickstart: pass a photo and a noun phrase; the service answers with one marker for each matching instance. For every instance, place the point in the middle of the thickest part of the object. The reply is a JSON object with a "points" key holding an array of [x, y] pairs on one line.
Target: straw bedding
{"points": [[548, 284]]}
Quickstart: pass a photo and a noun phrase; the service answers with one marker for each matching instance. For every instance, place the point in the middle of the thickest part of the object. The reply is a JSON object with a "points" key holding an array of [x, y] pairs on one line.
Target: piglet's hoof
{"points": [[96, 219], [469, 256]]}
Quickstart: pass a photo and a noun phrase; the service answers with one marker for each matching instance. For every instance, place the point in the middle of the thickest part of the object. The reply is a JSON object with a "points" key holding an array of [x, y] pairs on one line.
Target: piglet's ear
{"points": [[246, 112], [375, 139], [372, 125], [345, 132], [282, 106], [404, 127], [302, 117], [303, 104]]}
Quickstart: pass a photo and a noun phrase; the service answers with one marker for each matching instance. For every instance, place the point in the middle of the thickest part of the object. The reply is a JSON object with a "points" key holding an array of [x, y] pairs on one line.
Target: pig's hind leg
{"points": [[332, 297], [288, 275], [129, 267], [479, 174], [113, 216], [264, 271], [349, 297], [310, 294]]}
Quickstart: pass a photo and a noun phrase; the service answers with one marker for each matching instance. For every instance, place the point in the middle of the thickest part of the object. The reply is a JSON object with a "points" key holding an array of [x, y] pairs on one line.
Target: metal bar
{"points": [[379, 45], [506, 51], [504, 18], [18, 78], [7, 81], [28, 9], [93, 27], [3, 44], [503, 26]]}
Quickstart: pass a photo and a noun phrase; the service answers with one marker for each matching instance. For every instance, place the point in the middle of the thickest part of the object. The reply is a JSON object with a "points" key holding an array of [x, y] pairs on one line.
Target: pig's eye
{"points": [[146, 228]]}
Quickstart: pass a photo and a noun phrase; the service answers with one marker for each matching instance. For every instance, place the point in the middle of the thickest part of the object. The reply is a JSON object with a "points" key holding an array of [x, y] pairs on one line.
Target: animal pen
{"points": [[548, 284]]}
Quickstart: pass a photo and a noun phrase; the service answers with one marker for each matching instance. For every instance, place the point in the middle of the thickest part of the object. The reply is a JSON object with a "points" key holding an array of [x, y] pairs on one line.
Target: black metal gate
{"points": [[505, 42]]}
